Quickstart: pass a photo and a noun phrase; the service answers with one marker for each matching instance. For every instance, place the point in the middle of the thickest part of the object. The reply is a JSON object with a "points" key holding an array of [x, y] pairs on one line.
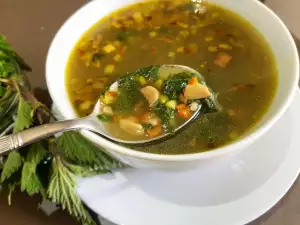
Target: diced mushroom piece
{"points": [[132, 127], [151, 94], [107, 110], [223, 59], [194, 106], [196, 91], [150, 118]]}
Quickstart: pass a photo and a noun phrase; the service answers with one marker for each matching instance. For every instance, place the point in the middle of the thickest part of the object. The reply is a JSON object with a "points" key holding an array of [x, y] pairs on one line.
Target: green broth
{"points": [[161, 32]]}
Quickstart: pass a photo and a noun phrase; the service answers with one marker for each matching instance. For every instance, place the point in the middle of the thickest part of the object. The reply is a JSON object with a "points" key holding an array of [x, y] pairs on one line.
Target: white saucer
{"points": [[232, 192]]}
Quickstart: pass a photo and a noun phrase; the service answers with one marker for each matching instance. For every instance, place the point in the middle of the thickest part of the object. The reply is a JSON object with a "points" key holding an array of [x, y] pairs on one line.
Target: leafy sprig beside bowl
{"points": [[49, 167]]}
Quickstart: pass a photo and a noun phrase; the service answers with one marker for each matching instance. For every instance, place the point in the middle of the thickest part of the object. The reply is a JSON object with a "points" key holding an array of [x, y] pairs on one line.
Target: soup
{"points": [[234, 59]]}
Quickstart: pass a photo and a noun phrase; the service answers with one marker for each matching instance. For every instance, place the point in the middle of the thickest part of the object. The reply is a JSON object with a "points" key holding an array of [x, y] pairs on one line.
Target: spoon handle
{"points": [[26, 137]]}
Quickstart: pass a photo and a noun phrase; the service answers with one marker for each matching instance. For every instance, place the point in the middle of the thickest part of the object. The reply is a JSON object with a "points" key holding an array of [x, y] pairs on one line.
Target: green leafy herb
{"points": [[30, 181], [147, 126], [129, 94], [12, 164], [77, 148], [24, 119], [105, 118], [165, 114], [213, 128], [48, 167], [97, 57], [61, 190], [150, 72], [125, 34], [175, 84]]}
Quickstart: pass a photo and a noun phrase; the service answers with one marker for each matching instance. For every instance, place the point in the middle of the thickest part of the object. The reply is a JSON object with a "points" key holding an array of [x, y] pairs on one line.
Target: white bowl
{"points": [[272, 28]]}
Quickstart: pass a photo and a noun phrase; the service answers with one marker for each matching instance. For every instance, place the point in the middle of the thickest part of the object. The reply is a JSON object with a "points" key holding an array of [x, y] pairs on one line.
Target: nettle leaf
{"points": [[24, 119], [36, 153], [11, 189], [61, 190], [12, 164], [30, 181], [77, 148]]}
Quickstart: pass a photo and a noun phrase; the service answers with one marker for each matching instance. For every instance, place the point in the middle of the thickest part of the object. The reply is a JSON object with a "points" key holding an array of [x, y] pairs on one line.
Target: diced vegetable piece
{"points": [[209, 38], [194, 106], [153, 34], [192, 81], [231, 112], [213, 49], [142, 80], [183, 25], [181, 106], [107, 110], [184, 33], [109, 48], [86, 105], [171, 104], [150, 118], [151, 94], [223, 59], [113, 93], [184, 112], [196, 91], [154, 132], [180, 49], [105, 118], [117, 58], [163, 99], [171, 54], [131, 127], [108, 98], [225, 47], [109, 69], [158, 84], [137, 16]]}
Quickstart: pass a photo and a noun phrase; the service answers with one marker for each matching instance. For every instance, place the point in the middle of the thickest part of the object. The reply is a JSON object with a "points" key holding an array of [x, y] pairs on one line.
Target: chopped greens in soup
{"points": [[234, 59]]}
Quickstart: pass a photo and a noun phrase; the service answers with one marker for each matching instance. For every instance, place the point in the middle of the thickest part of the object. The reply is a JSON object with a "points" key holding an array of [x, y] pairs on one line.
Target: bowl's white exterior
{"points": [[259, 15]]}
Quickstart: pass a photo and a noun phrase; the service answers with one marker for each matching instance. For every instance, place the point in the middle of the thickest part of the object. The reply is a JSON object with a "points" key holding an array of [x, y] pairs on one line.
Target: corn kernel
{"points": [[213, 49], [109, 48], [86, 105], [203, 65], [171, 54], [209, 38], [116, 24], [183, 25], [137, 16], [96, 41], [109, 69], [184, 33], [142, 80], [152, 34], [180, 49], [225, 46], [117, 58]]}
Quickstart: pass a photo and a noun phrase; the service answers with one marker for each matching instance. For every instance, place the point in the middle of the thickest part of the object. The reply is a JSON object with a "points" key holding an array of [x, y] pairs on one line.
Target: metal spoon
{"points": [[91, 122]]}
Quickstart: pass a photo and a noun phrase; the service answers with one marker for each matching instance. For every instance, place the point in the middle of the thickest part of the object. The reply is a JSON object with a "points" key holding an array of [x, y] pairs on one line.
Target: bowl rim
{"points": [[239, 144]]}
